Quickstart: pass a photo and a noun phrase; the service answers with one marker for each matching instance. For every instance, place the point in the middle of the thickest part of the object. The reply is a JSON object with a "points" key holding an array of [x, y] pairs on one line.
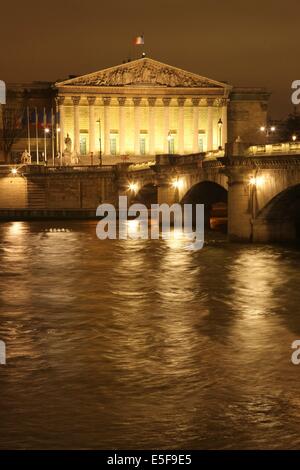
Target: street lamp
{"points": [[46, 132], [267, 130], [59, 150], [257, 181], [220, 125], [178, 183], [100, 142], [133, 187], [294, 137]]}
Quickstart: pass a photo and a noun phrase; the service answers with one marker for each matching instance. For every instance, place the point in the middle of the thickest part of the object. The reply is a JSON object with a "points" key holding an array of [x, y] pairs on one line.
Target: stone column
{"points": [[61, 109], [137, 124], [210, 141], [76, 101], [106, 103], [180, 102], [195, 102], [151, 103], [224, 120], [239, 205], [122, 101], [91, 101], [166, 102]]}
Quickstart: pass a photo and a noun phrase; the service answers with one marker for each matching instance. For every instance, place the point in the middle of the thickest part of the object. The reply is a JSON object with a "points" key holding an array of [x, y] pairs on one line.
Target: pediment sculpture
{"points": [[143, 72]]}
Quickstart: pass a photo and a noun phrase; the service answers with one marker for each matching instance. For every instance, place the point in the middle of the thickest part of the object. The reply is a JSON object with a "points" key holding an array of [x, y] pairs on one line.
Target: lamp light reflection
{"points": [[257, 180], [178, 183]]}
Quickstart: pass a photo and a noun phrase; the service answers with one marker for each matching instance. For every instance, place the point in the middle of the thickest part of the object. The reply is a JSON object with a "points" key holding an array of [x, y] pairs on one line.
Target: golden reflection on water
{"points": [[255, 277], [143, 342]]}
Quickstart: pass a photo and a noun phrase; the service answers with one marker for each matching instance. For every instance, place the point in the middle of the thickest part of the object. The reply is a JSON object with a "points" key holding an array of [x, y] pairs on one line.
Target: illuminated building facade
{"points": [[139, 108], [145, 107]]}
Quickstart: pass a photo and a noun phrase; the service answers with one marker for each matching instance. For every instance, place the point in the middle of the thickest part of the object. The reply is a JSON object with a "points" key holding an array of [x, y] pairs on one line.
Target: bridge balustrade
{"points": [[271, 149]]}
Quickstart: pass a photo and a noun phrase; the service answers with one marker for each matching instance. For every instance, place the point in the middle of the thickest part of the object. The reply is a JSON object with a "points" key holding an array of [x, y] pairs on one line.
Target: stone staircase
{"points": [[36, 193]]}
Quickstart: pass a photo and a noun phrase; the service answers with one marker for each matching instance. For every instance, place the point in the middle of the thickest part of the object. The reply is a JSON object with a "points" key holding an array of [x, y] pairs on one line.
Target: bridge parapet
{"points": [[284, 148], [141, 166], [178, 160], [35, 170]]}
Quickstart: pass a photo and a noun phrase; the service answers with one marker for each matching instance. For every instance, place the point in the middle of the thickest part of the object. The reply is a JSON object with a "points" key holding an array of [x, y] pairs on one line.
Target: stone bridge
{"points": [[259, 185]]}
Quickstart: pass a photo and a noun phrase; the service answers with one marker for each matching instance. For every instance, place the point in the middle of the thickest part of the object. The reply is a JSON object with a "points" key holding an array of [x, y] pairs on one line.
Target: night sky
{"points": [[254, 43]]}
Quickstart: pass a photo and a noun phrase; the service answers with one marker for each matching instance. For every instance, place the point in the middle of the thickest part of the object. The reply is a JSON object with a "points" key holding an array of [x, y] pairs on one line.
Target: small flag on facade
{"points": [[138, 41]]}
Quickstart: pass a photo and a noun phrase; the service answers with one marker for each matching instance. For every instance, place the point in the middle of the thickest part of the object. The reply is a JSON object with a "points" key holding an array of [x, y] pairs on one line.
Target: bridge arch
{"points": [[279, 219], [147, 194], [214, 197]]}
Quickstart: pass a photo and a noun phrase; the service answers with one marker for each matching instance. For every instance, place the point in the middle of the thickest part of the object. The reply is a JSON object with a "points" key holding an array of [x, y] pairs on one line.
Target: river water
{"points": [[144, 344]]}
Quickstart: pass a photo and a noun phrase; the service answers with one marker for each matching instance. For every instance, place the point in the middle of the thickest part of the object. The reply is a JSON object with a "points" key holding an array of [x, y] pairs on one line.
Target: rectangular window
{"points": [[143, 145], [82, 145], [201, 141], [113, 145], [171, 144]]}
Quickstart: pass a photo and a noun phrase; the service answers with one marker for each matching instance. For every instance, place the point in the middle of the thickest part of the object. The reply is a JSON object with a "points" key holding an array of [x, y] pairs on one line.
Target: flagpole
{"points": [[37, 135], [28, 132], [57, 146], [139, 41], [45, 136], [52, 136], [143, 44]]}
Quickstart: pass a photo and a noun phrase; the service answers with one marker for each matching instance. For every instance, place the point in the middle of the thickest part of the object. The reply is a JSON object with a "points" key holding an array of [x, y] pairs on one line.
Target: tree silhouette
{"points": [[11, 128]]}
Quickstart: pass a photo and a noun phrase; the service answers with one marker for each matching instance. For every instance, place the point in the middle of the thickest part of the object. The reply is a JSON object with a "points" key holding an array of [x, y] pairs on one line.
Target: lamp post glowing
{"points": [[177, 183], [257, 181], [100, 142], [59, 153], [220, 125], [46, 132], [294, 138], [133, 187], [267, 130]]}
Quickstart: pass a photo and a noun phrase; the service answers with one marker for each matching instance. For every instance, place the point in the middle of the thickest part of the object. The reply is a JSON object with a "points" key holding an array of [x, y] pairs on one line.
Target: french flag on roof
{"points": [[139, 40]]}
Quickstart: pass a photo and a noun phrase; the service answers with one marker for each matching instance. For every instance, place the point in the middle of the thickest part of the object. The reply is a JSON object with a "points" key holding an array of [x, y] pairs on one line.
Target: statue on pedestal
{"points": [[68, 142], [26, 157]]}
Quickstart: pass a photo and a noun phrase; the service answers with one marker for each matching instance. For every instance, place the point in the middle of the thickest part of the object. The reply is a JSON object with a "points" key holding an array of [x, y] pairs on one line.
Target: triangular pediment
{"points": [[142, 72]]}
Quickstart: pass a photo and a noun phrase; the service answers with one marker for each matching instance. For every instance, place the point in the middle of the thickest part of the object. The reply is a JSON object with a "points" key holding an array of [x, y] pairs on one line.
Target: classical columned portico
{"points": [[147, 107], [76, 101], [151, 104], [180, 102], [137, 124], [122, 101], [91, 101], [166, 102], [106, 103], [210, 128]]}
